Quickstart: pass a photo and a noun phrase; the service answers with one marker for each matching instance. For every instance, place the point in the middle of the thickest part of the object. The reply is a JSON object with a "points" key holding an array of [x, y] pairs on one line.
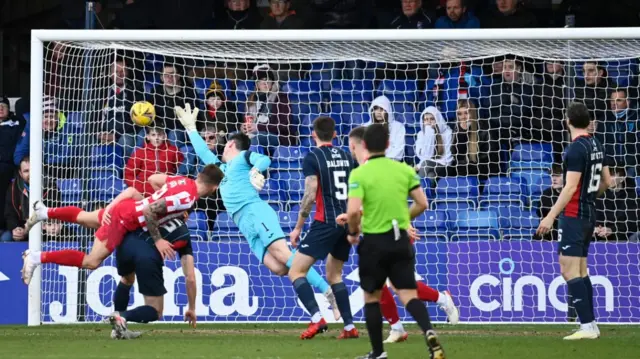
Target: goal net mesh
{"points": [[481, 121]]}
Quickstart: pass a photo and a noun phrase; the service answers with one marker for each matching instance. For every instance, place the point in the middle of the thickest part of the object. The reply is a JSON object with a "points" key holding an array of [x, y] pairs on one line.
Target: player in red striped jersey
{"points": [[425, 293], [128, 212]]}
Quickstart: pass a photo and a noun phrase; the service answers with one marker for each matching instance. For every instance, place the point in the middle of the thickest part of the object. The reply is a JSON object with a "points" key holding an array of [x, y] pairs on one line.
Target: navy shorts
{"points": [[574, 236], [323, 239], [143, 259]]}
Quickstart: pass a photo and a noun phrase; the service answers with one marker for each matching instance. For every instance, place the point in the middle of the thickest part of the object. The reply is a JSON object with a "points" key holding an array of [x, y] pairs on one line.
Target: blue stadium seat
{"points": [[287, 220], [201, 86], [105, 185], [75, 123], [197, 224], [475, 226], [638, 185], [457, 187], [302, 86], [352, 120], [516, 224], [271, 190], [353, 86], [432, 225], [349, 107], [428, 184], [306, 141], [541, 183], [502, 191], [532, 178], [534, 152], [349, 97], [225, 225], [243, 89], [402, 108], [70, 190], [399, 90], [288, 157], [452, 204], [292, 185]]}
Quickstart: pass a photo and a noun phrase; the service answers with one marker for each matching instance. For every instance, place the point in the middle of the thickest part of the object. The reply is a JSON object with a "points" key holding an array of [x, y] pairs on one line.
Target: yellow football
{"points": [[143, 113]]}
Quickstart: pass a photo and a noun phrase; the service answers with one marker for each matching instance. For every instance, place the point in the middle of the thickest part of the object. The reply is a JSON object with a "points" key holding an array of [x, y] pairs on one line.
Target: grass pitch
{"points": [[246, 341]]}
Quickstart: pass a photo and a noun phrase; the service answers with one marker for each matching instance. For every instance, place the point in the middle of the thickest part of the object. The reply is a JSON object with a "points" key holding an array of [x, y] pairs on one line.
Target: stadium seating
{"points": [[475, 226], [105, 185], [527, 157], [516, 224], [70, 190], [197, 224], [432, 225], [399, 90], [292, 185], [287, 220], [288, 157], [502, 192], [271, 190], [225, 225]]}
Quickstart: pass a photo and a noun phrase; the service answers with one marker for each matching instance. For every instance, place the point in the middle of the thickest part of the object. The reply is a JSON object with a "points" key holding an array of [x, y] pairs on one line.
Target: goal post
{"points": [[470, 247]]}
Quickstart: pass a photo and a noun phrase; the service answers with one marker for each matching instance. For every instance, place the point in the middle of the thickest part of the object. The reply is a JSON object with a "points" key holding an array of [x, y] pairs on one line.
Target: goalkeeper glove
{"points": [[257, 179], [187, 117]]}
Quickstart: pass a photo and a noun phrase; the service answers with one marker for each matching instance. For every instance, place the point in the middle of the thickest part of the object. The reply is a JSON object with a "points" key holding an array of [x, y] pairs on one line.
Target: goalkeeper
{"points": [[257, 221]]}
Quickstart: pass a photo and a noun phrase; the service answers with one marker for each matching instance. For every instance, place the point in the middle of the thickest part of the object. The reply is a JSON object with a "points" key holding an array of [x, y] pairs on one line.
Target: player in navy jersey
{"points": [[137, 257], [586, 177], [326, 170]]}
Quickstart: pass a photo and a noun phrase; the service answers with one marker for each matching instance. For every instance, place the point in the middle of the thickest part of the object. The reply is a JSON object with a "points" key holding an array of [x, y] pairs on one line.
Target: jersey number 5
{"points": [[339, 178], [594, 181]]}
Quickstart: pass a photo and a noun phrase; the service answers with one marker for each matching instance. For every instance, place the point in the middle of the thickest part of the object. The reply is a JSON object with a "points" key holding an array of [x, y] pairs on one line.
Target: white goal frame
{"points": [[38, 37]]}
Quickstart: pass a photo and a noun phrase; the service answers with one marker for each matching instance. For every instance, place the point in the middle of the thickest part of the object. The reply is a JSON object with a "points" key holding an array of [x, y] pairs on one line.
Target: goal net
{"points": [[480, 119]]}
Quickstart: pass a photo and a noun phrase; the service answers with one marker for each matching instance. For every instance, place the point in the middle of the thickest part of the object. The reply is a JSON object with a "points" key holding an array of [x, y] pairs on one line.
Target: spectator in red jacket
{"points": [[156, 156]]}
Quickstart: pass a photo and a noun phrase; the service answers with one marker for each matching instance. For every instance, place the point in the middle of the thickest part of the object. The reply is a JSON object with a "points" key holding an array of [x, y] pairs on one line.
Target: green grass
{"points": [[246, 341]]}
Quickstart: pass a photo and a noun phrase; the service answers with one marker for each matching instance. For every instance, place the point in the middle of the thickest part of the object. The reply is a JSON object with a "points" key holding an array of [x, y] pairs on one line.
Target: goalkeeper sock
{"points": [[314, 278], [388, 306], [419, 312], [65, 214], [307, 297], [341, 294], [589, 286], [121, 297], [143, 314], [426, 293], [373, 317], [66, 257], [578, 291]]}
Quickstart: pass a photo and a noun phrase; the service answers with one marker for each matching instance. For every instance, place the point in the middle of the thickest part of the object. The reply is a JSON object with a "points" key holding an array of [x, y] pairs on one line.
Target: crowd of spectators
{"points": [[452, 119]]}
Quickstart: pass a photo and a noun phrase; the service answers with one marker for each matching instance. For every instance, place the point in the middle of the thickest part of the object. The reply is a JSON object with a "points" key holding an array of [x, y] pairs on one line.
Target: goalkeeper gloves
{"points": [[187, 117], [257, 179]]}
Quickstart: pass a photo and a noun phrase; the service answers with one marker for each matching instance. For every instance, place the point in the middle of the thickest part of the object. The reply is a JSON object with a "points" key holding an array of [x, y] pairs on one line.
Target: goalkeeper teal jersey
{"points": [[236, 189]]}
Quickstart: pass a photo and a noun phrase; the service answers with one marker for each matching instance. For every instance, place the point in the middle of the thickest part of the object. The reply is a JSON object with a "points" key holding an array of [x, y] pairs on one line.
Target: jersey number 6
{"points": [[341, 185], [594, 182]]}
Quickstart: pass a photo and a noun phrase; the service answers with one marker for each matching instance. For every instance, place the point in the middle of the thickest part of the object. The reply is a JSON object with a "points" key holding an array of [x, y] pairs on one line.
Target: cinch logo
{"points": [[226, 300], [512, 290]]}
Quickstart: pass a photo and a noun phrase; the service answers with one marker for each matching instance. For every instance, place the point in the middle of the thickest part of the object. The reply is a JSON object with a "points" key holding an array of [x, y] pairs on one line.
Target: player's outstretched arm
{"points": [[189, 270], [188, 119], [308, 200], [151, 214]]}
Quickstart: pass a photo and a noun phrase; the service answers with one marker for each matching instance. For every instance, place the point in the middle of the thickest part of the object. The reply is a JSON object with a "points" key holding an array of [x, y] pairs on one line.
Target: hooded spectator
{"points": [[458, 17], [433, 143], [156, 156], [267, 119], [381, 111], [281, 16], [220, 112], [507, 15], [237, 16]]}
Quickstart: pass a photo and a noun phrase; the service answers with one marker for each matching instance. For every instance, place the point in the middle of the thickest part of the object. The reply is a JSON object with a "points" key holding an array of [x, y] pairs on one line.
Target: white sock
{"points": [[35, 256], [349, 327], [397, 327], [442, 299], [587, 326], [316, 317]]}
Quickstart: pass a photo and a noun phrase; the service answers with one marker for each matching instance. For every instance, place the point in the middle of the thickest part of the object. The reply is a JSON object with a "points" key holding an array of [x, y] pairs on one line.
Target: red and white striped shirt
{"points": [[180, 194]]}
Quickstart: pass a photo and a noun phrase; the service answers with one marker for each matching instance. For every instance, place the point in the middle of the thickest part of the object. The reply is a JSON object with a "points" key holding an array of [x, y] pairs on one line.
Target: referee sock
{"points": [[121, 297], [419, 312], [342, 298], [587, 283], [373, 316], [580, 301], [307, 297], [143, 314]]}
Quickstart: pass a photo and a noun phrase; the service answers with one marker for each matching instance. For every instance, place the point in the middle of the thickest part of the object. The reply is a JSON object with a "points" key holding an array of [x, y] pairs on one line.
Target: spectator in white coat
{"points": [[433, 144], [381, 111]]}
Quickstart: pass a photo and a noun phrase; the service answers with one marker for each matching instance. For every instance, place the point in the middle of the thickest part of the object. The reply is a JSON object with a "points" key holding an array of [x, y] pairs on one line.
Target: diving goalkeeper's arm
{"points": [[187, 118]]}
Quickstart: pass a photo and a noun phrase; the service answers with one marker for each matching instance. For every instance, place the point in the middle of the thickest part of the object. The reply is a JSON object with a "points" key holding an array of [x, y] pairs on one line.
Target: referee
{"points": [[379, 189]]}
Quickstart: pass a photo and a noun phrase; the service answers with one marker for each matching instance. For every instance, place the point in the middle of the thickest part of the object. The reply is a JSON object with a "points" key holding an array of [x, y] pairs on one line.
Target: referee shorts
{"points": [[380, 257]]}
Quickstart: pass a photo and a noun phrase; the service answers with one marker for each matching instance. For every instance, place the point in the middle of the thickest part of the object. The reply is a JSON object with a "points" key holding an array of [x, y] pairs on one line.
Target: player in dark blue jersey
{"points": [[586, 177], [326, 170], [138, 257]]}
